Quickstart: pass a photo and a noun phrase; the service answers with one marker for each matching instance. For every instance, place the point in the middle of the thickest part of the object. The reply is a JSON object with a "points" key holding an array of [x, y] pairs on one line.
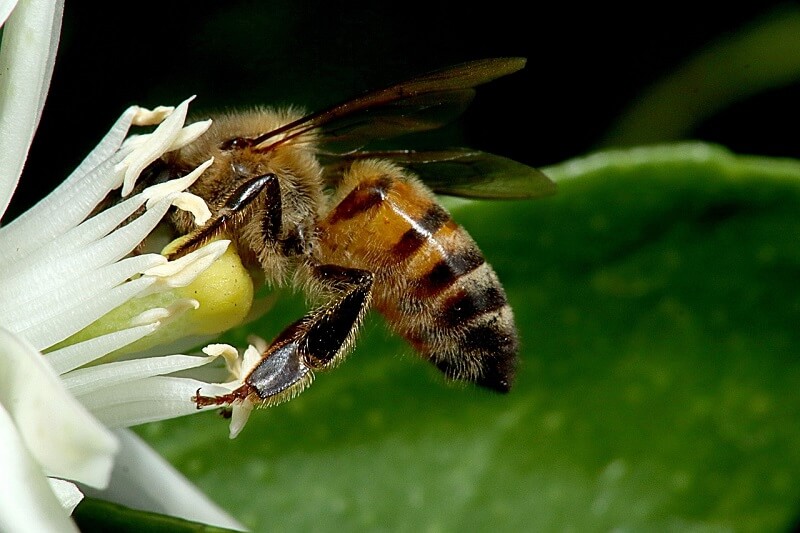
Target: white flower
{"points": [[238, 369], [70, 295]]}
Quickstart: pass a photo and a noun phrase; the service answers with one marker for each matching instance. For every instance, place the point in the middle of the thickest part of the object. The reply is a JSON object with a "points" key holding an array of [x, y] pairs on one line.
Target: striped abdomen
{"points": [[431, 281]]}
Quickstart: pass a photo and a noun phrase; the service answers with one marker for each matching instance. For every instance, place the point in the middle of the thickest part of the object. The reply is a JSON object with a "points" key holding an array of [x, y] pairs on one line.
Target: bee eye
{"points": [[237, 143]]}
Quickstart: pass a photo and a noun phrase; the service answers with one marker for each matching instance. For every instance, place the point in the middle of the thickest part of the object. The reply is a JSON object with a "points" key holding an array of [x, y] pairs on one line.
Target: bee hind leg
{"points": [[317, 341]]}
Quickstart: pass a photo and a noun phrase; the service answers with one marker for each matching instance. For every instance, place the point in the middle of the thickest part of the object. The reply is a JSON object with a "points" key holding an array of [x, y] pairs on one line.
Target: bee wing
{"points": [[463, 172], [409, 115], [422, 103]]}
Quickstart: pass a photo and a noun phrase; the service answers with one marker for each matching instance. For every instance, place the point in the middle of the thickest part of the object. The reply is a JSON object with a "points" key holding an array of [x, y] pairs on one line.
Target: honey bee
{"points": [[304, 201]]}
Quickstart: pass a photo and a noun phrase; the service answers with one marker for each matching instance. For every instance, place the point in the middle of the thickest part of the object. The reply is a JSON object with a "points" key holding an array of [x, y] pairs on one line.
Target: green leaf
{"points": [[656, 300], [97, 515], [763, 55]]}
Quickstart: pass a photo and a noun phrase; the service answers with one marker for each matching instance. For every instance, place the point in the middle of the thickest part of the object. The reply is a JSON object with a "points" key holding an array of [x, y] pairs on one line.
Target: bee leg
{"points": [[330, 330], [234, 208], [317, 341]]}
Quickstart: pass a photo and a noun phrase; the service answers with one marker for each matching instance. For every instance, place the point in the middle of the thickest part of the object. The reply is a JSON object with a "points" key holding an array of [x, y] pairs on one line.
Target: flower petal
{"points": [[55, 427], [55, 329], [27, 502], [49, 252], [6, 7], [67, 493], [82, 353], [54, 267], [143, 480], [59, 298], [85, 380], [32, 31], [71, 201], [147, 400]]}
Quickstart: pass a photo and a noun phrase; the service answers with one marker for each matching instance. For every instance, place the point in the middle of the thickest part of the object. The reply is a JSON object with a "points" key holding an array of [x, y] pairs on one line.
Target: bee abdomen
{"points": [[421, 231], [432, 282], [471, 335], [453, 309], [468, 304], [451, 266]]}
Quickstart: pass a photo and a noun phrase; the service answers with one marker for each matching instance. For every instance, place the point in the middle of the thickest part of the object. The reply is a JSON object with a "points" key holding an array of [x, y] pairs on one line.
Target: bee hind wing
{"points": [[462, 172]]}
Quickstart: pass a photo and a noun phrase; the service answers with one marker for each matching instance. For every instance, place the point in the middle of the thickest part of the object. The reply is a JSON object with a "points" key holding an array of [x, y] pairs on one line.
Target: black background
{"points": [[585, 65]]}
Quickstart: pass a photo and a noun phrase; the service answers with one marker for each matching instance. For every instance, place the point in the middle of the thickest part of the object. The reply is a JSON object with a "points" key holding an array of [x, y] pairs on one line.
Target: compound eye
{"points": [[237, 143]]}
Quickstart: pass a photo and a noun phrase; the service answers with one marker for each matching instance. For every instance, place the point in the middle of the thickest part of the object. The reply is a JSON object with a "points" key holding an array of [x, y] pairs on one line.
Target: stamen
{"points": [[164, 315], [191, 203], [184, 270], [185, 201], [189, 133], [230, 354], [157, 144], [147, 117]]}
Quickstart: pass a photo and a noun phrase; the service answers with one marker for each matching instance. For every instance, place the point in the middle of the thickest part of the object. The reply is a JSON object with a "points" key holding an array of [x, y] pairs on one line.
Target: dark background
{"points": [[586, 64]]}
